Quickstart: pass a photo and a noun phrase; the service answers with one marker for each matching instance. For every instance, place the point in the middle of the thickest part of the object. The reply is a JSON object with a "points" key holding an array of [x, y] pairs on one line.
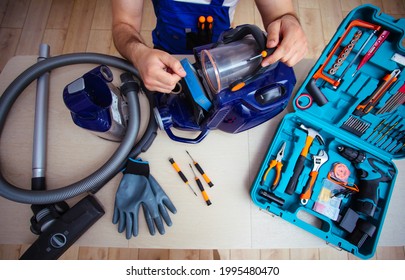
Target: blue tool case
{"points": [[334, 153]]}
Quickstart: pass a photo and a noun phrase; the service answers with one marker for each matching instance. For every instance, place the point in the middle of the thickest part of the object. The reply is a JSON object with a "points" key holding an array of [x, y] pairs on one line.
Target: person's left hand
{"points": [[287, 36]]}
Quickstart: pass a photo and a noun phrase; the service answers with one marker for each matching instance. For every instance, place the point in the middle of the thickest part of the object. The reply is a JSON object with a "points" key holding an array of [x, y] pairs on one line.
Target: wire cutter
{"points": [[277, 163]]}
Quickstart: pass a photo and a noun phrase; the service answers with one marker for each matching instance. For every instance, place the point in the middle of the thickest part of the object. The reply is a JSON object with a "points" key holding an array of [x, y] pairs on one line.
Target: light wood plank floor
{"points": [[85, 26]]}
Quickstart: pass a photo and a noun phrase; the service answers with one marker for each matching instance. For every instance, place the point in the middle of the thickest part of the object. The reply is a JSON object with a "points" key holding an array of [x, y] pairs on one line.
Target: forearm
{"points": [[271, 10], [127, 40], [126, 26]]}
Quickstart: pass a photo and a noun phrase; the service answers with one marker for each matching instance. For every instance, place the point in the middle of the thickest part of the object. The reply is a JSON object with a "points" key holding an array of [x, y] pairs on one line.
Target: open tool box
{"points": [[334, 153]]}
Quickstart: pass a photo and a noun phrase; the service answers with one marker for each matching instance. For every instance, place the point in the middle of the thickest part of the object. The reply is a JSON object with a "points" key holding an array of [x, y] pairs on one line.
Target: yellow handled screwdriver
{"points": [[200, 186], [206, 179], [181, 174]]}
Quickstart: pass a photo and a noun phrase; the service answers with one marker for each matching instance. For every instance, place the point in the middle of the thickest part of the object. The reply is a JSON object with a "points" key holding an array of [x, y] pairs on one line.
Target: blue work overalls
{"points": [[177, 24]]}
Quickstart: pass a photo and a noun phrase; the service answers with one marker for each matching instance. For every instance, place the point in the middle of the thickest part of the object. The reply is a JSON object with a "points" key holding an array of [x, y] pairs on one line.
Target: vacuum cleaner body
{"points": [[97, 105], [226, 88]]}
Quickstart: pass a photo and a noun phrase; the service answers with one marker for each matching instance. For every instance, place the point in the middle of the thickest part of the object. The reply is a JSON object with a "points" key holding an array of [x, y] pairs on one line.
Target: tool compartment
{"points": [[337, 174]]}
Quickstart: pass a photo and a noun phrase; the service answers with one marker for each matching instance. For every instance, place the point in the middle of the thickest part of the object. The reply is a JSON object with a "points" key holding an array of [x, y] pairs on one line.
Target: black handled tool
{"points": [[199, 168], [200, 186], [299, 165], [316, 93], [271, 197], [181, 174]]}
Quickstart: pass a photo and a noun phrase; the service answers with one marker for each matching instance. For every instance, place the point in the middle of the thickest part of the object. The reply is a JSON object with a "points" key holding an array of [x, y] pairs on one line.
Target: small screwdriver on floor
{"points": [[181, 174], [200, 186], [201, 171]]}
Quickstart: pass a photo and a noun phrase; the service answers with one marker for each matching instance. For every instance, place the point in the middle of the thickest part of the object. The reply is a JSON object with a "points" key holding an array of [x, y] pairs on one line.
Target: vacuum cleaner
{"points": [[57, 224], [226, 88]]}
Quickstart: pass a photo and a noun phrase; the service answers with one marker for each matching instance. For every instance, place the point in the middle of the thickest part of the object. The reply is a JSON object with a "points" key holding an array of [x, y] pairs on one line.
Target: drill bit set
{"points": [[332, 158]]}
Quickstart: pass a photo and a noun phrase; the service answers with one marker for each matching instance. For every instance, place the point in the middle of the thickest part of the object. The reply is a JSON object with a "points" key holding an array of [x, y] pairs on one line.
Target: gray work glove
{"points": [[135, 190], [162, 200]]}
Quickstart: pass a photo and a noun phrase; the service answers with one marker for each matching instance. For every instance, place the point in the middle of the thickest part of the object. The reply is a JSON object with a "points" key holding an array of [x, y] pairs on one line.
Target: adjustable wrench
{"points": [[319, 160]]}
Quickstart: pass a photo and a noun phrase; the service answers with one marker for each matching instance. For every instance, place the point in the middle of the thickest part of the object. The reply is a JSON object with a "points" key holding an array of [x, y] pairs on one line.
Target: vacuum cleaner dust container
{"points": [[231, 62]]}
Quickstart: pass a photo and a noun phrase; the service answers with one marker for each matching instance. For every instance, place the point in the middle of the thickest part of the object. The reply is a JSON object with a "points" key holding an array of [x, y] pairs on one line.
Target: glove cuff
{"points": [[137, 167]]}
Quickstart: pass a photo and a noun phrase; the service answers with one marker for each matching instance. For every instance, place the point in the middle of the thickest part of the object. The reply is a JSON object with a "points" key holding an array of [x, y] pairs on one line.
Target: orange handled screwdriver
{"points": [[210, 22], [265, 53], [201, 24], [200, 186], [181, 174], [201, 171], [366, 105]]}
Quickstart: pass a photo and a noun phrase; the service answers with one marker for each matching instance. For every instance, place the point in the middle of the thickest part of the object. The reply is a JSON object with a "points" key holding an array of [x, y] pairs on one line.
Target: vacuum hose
{"points": [[115, 163]]}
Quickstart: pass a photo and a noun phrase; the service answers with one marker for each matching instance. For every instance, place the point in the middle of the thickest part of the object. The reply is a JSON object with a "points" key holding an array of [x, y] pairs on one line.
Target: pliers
{"points": [[277, 163]]}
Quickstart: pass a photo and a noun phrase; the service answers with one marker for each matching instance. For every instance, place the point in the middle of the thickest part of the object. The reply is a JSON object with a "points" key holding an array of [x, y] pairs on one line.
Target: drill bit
{"points": [[374, 130], [385, 133]]}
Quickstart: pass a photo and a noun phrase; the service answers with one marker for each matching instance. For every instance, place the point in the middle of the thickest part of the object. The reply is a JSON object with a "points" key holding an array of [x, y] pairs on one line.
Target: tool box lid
{"points": [[342, 91]]}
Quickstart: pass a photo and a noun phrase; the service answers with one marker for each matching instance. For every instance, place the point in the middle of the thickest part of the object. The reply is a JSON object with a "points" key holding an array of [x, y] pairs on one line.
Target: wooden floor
{"points": [[85, 26]]}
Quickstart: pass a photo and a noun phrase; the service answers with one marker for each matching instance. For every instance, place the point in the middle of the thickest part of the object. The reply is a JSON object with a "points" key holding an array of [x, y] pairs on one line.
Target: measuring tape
{"points": [[340, 172]]}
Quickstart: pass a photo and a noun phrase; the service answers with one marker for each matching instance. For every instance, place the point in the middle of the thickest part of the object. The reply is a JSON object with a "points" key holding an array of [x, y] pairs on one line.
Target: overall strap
{"points": [[217, 2]]}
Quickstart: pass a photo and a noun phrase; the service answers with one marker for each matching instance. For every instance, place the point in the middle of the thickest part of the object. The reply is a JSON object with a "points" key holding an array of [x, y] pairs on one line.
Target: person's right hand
{"points": [[159, 70]]}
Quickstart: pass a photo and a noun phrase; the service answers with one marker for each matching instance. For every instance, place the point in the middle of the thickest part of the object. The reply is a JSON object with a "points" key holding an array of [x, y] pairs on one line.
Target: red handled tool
{"points": [[377, 44]]}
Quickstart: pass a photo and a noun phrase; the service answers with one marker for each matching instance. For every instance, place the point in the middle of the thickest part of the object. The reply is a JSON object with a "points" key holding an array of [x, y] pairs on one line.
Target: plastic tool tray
{"points": [[337, 174]]}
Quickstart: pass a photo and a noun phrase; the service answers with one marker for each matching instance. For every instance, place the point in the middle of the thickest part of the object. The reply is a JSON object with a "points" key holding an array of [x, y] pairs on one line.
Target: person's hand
{"points": [[159, 70], [287, 35]]}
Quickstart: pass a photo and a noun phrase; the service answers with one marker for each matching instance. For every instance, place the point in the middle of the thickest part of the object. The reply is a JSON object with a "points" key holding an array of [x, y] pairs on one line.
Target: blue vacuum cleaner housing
{"points": [[197, 108], [96, 104]]}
